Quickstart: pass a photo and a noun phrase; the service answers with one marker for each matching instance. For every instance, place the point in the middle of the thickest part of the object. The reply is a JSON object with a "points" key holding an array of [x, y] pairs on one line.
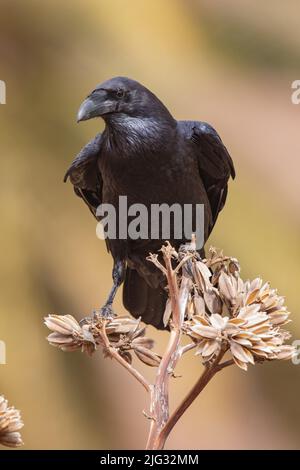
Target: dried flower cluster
{"points": [[68, 335], [124, 334], [10, 425], [245, 318]]}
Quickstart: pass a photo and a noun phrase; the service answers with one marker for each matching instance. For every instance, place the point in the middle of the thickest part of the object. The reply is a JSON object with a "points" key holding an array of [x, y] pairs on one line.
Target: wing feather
{"points": [[85, 175], [214, 162]]}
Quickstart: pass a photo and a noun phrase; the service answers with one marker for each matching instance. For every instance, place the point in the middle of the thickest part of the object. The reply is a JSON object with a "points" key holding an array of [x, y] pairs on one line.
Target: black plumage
{"points": [[145, 154]]}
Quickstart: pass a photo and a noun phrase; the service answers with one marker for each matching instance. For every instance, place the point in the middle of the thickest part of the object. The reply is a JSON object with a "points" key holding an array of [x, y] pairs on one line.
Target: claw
{"points": [[98, 314], [85, 321], [104, 312]]}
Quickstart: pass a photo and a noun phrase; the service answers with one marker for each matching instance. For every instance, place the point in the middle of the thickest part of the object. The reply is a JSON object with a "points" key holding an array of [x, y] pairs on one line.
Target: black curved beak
{"points": [[97, 104], [88, 109]]}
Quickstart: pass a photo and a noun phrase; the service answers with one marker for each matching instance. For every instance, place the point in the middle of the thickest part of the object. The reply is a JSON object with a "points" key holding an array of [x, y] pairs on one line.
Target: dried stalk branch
{"points": [[204, 379], [187, 348], [228, 363], [160, 392], [112, 352]]}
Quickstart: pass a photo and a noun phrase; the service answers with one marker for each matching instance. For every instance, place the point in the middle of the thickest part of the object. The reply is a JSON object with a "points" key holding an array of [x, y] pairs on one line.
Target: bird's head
{"points": [[121, 97]]}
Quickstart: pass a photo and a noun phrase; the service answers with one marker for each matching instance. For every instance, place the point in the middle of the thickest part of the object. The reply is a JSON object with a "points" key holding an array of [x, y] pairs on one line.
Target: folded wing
{"points": [[85, 175], [214, 162]]}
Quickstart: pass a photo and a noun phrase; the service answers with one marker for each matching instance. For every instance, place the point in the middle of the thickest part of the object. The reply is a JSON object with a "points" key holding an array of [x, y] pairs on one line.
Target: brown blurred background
{"points": [[229, 63]]}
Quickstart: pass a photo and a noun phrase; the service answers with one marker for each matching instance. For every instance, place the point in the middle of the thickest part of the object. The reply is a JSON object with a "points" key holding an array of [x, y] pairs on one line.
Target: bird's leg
{"points": [[118, 275]]}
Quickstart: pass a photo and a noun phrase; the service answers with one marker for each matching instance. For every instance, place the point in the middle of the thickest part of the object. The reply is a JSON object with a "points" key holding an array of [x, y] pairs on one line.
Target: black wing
{"points": [[85, 175], [214, 162]]}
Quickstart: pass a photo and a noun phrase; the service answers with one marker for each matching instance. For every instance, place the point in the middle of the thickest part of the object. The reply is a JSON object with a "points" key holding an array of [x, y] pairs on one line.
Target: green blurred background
{"points": [[230, 63]]}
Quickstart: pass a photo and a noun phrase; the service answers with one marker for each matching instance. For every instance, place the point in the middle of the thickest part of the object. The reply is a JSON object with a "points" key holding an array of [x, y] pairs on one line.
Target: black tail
{"points": [[144, 301]]}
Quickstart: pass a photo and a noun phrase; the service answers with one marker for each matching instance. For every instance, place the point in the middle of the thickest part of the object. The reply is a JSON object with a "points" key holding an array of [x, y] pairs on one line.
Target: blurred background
{"points": [[229, 63]]}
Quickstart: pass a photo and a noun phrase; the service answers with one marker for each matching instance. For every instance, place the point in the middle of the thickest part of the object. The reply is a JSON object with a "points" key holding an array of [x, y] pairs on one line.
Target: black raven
{"points": [[148, 156]]}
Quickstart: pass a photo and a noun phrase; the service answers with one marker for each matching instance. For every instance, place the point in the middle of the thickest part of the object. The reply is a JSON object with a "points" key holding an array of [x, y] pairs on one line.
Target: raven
{"points": [[148, 156]]}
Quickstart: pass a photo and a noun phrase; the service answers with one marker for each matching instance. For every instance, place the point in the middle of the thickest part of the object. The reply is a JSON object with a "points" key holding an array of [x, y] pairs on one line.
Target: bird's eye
{"points": [[120, 93]]}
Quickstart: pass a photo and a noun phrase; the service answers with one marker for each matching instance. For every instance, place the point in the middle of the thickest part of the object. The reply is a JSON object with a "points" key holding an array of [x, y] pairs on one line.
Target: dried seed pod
{"points": [[234, 267], [213, 301], [147, 356], [199, 304], [202, 276], [126, 355], [144, 342]]}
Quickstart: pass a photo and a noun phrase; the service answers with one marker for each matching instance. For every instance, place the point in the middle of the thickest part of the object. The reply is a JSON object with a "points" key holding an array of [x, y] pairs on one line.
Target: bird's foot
{"points": [[106, 313], [187, 248], [85, 321]]}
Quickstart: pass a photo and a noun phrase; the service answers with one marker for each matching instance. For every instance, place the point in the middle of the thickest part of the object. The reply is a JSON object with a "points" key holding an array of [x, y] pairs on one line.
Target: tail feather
{"points": [[144, 301]]}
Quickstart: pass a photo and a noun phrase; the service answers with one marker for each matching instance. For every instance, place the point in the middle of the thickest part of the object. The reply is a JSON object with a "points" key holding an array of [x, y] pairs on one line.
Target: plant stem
{"points": [[191, 396], [186, 348], [161, 423], [224, 364], [205, 378], [160, 391], [114, 354]]}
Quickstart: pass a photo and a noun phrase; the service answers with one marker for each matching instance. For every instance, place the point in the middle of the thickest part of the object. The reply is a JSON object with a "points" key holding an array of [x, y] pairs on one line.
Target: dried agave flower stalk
{"points": [[211, 305], [10, 425]]}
